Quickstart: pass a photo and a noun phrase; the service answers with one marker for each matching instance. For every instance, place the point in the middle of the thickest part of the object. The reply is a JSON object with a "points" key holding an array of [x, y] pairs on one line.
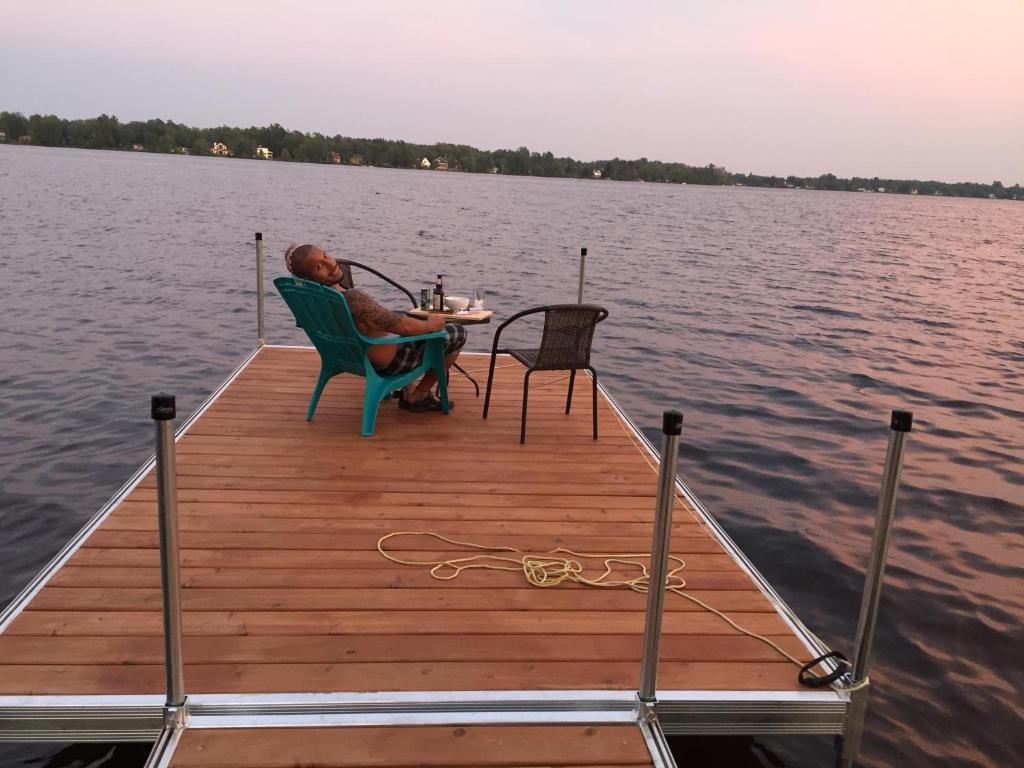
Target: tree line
{"points": [[166, 136]]}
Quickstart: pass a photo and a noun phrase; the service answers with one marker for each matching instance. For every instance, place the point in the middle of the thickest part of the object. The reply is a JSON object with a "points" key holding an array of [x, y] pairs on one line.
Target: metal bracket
{"points": [[646, 711], [176, 716]]}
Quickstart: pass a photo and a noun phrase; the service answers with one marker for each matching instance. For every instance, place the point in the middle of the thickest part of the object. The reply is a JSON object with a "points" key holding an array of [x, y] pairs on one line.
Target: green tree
{"points": [[14, 124], [47, 130]]}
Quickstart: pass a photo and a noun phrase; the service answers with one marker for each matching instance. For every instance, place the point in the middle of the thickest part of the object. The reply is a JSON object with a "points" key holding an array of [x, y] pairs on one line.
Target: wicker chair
{"points": [[564, 346]]}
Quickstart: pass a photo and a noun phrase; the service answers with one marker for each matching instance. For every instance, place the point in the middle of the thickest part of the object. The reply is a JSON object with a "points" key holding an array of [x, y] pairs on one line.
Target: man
{"points": [[313, 263]]}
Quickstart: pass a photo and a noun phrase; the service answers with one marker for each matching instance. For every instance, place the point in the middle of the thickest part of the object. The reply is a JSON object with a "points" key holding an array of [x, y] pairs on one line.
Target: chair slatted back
{"points": [[324, 315], [568, 336]]}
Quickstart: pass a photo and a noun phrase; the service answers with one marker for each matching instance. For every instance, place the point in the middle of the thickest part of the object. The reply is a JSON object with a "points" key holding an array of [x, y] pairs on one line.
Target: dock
{"points": [[295, 620]]}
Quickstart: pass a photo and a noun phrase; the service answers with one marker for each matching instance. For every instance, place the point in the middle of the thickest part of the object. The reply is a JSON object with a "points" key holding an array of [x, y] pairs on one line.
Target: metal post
{"points": [[163, 412], [849, 743], [671, 428], [259, 290], [583, 274]]}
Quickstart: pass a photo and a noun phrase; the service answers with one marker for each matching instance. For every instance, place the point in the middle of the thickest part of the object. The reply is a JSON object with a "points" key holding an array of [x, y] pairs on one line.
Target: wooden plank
{"points": [[254, 649], [563, 598], [45, 679], [297, 578], [393, 622], [198, 520], [453, 500], [302, 558], [413, 747], [583, 545], [270, 445], [415, 510], [523, 487]]}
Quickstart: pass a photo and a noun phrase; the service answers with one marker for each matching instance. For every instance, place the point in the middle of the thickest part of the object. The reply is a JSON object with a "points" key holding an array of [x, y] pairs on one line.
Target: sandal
{"points": [[426, 403]]}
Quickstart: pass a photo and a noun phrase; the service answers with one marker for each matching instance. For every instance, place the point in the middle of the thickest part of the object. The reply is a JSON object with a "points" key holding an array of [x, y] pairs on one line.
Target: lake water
{"points": [[784, 324]]}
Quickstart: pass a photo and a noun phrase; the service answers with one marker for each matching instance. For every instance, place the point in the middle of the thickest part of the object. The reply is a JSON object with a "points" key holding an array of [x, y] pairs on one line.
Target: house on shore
{"points": [[138, 148], [264, 153], [220, 149], [3, 136], [597, 173], [425, 164], [335, 158], [441, 164], [355, 160], [182, 151]]}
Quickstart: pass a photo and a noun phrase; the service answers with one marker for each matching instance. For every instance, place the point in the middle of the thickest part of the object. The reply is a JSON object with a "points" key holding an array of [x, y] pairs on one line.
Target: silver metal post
{"points": [[163, 412], [672, 427], [583, 274], [899, 426], [259, 290]]}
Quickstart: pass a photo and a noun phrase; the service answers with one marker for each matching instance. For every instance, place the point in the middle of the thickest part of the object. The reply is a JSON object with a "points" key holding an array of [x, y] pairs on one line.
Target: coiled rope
{"points": [[556, 566]]}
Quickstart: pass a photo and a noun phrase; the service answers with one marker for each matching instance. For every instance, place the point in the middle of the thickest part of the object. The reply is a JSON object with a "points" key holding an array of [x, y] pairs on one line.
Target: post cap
{"points": [[672, 423], [259, 235], [901, 421], [162, 407]]}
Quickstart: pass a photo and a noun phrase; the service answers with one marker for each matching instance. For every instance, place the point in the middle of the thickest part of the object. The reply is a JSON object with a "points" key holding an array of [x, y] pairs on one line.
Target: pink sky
{"points": [[902, 89]]}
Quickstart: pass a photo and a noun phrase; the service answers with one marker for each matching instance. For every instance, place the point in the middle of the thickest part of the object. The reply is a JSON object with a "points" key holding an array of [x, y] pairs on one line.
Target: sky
{"points": [[889, 88]]}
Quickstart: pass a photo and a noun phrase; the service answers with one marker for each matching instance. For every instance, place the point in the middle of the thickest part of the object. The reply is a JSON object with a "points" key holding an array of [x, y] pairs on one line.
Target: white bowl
{"points": [[456, 303]]}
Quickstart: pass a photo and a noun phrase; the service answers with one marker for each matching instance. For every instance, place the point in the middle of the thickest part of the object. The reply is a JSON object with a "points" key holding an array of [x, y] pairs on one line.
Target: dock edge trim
{"points": [[162, 754], [47, 719], [16, 606]]}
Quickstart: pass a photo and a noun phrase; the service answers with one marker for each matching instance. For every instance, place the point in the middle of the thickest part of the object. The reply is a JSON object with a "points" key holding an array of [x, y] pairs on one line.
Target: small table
{"points": [[471, 317]]}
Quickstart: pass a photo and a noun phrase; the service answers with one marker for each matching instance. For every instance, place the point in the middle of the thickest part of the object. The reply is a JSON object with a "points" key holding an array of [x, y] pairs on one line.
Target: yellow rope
{"points": [[551, 568]]}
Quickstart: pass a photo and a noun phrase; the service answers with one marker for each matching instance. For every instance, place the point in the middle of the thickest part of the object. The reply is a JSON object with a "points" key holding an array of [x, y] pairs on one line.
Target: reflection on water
{"points": [[785, 324]]}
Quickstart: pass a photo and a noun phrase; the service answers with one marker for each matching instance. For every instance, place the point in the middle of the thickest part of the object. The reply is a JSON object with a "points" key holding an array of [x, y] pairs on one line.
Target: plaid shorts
{"points": [[410, 353]]}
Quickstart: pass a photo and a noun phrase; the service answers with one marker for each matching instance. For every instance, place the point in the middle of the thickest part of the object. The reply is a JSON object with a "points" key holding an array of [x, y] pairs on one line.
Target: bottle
{"points": [[439, 295]]}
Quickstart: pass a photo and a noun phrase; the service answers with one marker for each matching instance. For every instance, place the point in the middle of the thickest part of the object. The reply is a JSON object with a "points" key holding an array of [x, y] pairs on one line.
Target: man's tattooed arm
{"points": [[368, 312]]}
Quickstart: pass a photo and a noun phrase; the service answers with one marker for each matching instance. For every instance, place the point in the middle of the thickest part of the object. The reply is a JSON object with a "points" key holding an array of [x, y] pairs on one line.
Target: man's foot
{"points": [[425, 403]]}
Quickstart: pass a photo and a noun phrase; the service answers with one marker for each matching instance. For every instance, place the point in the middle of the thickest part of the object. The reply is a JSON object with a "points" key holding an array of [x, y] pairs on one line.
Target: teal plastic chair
{"points": [[324, 315]]}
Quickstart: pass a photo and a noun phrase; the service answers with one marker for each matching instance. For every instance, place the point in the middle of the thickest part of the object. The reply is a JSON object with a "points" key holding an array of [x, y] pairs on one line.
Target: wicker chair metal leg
{"points": [[526, 395], [568, 398], [490, 379], [593, 377]]}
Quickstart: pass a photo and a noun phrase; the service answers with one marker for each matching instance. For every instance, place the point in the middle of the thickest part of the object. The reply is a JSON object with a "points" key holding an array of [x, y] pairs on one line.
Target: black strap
{"points": [[806, 677]]}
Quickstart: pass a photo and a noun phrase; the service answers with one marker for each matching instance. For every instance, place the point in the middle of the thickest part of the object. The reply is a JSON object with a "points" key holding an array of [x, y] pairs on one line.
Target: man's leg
{"points": [[456, 341]]}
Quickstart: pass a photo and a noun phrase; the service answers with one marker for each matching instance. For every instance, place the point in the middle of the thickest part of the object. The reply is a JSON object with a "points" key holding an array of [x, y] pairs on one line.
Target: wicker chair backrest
{"points": [[568, 336]]}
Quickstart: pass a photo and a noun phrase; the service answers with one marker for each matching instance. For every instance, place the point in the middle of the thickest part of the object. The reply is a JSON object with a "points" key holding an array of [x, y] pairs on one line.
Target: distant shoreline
{"points": [[275, 143]]}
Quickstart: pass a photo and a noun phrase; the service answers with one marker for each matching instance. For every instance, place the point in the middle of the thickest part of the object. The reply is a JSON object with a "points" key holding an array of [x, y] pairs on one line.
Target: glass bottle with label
{"points": [[439, 294]]}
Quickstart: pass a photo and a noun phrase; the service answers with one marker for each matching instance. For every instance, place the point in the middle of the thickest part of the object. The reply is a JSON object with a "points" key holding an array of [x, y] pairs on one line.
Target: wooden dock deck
{"points": [[285, 592]]}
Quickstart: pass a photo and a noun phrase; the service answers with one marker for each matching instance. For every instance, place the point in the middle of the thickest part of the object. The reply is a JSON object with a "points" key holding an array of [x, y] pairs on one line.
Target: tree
{"points": [[14, 124], [47, 130], [285, 155]]}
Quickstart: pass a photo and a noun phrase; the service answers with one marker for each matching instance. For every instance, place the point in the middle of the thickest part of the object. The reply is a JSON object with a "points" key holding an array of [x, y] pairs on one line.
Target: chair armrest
{"points": [[516, 316], [401, 339], [386, 279]]}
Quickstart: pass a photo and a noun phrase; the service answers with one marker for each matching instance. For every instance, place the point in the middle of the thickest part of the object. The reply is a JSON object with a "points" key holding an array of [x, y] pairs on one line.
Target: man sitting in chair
{"points": [[313, 263]]}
